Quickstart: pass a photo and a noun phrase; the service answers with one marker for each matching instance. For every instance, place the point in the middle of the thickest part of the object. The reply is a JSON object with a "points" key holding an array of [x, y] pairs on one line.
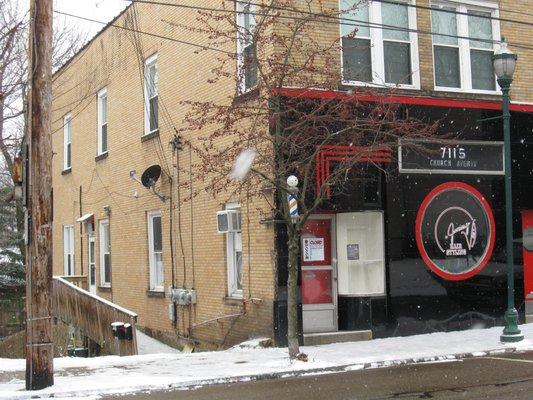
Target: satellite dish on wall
{"points": [[150, 176]]}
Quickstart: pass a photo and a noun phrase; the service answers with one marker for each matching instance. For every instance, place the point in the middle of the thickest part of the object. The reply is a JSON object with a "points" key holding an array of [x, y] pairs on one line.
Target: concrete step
{"points": [[313, 339]]}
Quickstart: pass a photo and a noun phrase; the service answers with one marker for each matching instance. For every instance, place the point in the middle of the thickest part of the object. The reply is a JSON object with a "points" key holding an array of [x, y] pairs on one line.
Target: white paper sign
{"points": [[313, 249]]}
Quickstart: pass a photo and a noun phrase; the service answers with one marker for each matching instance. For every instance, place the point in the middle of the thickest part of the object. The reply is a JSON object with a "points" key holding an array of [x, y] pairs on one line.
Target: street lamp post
{"points": [[504, 66]]}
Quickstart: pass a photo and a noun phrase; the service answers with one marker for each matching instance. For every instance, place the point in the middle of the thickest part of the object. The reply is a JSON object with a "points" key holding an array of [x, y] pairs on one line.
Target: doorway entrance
{"points": [[319, 275], [342, 255]]}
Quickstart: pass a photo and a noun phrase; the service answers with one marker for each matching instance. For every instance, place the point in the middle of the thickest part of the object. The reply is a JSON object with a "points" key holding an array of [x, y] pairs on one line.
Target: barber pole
{"points": [[293, 206]]}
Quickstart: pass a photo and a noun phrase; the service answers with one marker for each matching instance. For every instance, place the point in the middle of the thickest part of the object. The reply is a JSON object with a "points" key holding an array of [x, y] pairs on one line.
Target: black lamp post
{"points": [[504, 65]]}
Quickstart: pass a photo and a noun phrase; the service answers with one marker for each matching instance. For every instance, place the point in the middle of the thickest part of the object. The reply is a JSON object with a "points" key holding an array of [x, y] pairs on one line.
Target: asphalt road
{"points": [[492, 378]]}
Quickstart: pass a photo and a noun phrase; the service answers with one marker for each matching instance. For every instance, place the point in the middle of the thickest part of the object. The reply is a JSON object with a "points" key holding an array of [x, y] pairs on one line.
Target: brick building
{"points": [[117, 104]]}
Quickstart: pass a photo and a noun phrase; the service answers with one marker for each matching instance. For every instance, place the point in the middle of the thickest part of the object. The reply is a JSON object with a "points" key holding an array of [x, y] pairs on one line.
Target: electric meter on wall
{"points": [[228, 221]]}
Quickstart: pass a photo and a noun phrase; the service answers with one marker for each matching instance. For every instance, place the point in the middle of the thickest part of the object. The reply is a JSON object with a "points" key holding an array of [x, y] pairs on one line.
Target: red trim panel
{"points": [[416, 100]]}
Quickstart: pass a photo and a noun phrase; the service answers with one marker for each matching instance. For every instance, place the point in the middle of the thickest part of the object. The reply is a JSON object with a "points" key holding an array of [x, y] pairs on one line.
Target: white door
{"points": [[92, 264], [361, 254], [319, 276]]}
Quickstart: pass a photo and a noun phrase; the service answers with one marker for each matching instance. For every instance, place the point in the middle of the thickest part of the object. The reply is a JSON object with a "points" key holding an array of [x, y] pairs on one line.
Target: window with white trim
{"points": [[102, 121], [67, 141], [155, 250], [373, 54], [105, 253], [151, 106], [464, 63], [234, 258], [68, 250], [246, 47]]}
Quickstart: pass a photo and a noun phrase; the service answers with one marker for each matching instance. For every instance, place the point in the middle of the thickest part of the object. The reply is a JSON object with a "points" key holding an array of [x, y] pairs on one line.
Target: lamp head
{"points": [[292, 181], [504, 61]]}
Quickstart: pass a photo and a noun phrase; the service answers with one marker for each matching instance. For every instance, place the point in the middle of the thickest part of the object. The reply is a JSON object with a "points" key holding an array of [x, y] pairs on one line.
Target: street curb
{"points": [[193, 385], [340, 368]]}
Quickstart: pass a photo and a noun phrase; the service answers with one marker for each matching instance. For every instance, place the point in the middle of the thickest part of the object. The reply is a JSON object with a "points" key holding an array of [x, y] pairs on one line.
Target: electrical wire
{"points": [[202, 47], [322, 15], [337, 19]]}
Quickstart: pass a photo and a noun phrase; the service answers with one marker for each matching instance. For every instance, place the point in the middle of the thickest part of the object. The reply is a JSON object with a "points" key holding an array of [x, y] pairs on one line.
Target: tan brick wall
{"points": [[111, 60], [516, 34]]}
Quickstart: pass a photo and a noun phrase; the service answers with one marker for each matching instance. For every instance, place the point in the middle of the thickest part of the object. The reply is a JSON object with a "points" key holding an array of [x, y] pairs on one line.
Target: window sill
{"points": [[101, 156], [233, 300], [380, 86], [496, 92], [66, 171], [155, 293], [150, 135], [104, 288]]}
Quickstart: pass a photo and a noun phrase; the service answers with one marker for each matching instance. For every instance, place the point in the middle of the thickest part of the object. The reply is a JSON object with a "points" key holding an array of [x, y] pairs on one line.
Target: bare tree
{"points": [[291, 47], [13, 76]]}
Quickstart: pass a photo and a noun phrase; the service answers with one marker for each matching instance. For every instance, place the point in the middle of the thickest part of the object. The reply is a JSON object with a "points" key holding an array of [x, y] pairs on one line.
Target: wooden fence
{"points": [[92, 316]]}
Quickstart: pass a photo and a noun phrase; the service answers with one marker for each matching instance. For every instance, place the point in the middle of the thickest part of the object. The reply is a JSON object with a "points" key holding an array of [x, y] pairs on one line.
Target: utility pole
{"points": [[39, 345]]}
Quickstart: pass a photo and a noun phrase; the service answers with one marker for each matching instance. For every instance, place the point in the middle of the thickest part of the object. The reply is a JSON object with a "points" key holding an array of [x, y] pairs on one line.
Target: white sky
{"points": [[101, 10]]}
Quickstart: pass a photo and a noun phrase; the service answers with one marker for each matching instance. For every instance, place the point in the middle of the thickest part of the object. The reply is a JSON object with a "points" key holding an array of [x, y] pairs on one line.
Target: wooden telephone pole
{"points": [[39, 345]]}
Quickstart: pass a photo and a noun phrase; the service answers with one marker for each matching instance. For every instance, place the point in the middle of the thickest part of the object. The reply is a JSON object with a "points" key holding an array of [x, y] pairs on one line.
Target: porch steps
{"points": [[314, 339]]}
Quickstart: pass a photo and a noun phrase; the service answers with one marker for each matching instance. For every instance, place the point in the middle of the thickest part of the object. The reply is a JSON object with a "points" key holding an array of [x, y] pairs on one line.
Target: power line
{"points": [[408, 4], [337, 19], [145, 33], [293, 9]]}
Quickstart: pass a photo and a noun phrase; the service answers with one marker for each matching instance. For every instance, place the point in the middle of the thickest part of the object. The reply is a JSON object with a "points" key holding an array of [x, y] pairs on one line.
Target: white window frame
{"points": [[101, 95], [67, 142], [376, 48], [151, 253], [102, 224], [242, 44], [232, 240], [68, 250], [465, 72], [150, 62]]}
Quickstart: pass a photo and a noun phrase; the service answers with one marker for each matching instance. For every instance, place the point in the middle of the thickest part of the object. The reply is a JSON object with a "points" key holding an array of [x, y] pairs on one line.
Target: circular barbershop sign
{"points": [[455, 231]]}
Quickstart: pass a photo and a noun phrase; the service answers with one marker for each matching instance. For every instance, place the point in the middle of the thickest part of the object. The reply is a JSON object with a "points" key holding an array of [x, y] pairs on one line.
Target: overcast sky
{"points": [[101, 10]]}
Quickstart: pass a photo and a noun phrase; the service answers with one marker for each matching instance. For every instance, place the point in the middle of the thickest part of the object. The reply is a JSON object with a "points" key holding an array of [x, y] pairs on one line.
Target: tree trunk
{"points": [[292, 295]]}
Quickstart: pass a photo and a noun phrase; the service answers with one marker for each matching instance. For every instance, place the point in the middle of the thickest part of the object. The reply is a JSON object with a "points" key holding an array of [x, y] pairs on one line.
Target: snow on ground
{"points": [[91, 377], [148, 345]]}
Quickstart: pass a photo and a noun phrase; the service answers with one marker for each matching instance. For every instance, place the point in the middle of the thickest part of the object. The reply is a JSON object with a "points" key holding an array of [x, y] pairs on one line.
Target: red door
{"points": [[319, 297]]}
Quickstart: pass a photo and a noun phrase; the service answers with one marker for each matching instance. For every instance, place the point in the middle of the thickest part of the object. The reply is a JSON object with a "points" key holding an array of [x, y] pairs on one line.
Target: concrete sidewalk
{"points": [[78, 377]]}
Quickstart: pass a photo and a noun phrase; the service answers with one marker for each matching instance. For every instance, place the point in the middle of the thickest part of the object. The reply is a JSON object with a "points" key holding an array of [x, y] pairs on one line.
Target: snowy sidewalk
{"points": [[90, 377]]}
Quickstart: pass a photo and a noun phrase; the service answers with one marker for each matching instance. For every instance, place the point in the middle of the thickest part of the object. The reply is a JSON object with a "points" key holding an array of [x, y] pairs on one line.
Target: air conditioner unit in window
{"points": [[228, 221]]}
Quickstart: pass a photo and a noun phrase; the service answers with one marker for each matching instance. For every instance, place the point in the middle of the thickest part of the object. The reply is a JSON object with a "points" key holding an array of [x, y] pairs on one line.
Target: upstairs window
{"points": [[246, 48], [464, 63], [68, 250], [151, 107], [155, 250], [379, 45], [67, 142], [102, 121]]}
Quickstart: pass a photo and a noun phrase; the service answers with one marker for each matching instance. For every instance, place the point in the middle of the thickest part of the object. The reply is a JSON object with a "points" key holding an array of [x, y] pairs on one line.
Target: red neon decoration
{"points": [[420, 241], [332, 153]]}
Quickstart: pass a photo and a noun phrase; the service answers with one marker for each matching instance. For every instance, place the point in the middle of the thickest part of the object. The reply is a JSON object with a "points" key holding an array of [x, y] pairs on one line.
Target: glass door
{"points": [[319, 276]]}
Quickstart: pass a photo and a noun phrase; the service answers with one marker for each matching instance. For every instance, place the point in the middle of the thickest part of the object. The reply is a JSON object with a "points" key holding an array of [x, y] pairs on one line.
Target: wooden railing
{"points": [[92, 316]]}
